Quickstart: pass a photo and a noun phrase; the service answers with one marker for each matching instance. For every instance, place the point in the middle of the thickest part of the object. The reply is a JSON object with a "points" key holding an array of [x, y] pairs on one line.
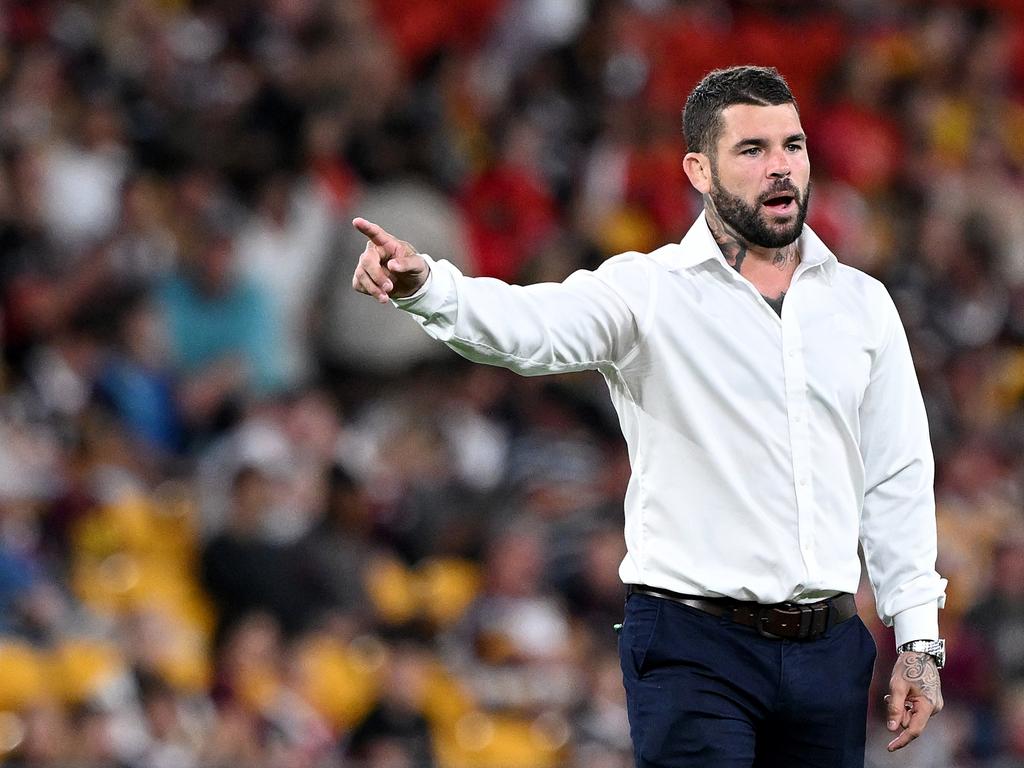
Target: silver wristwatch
{"points": [[934, 648]]}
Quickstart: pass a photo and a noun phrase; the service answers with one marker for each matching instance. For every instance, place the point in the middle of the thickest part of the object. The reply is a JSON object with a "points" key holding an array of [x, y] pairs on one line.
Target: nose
{"points": [[779, 166]]}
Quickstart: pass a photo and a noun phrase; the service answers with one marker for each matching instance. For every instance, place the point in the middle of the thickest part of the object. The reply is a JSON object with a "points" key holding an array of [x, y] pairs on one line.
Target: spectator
{"points": [[82, 177], [396, 732], [602, 735], [999, 615], [513, 644], [224, 338], [125, 124], [338, 552], [283, 249], [243, 571], [174, 737], [136, 381], [432, 216]]}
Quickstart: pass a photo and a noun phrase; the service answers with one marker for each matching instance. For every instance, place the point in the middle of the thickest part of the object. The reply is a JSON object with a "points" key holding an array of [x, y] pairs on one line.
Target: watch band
{"points": [[934, 648]]}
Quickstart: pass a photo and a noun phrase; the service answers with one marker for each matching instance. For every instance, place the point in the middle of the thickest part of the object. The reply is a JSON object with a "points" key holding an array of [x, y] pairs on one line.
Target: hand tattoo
{"points": [[919, 670]]}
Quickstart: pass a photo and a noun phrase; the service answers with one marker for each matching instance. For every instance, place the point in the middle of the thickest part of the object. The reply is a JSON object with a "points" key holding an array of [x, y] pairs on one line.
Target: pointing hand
{"points": [[388, 267]]}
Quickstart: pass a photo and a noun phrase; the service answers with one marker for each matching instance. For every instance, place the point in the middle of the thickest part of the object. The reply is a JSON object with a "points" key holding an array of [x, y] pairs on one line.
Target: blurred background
{"points": [[249, 518]]}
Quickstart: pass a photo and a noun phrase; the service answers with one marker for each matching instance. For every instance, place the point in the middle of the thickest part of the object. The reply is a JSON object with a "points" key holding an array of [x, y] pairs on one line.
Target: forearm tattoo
{"points": [[919, 670]]}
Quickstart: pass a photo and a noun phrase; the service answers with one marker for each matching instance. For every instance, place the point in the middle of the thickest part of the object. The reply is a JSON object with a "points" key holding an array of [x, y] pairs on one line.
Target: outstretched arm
{"points": [[584, 322]]}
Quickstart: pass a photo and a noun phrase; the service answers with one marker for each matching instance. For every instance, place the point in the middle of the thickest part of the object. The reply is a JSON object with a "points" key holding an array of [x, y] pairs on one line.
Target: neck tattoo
{"points": [[735, 247]]}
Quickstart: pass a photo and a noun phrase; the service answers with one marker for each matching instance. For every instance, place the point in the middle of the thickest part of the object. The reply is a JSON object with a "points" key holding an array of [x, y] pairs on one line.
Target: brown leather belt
{"points": [[790, 621]]}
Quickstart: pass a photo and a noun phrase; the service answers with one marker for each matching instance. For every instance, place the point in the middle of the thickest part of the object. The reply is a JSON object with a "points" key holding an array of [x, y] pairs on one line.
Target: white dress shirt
{"points": [[763, 448]]}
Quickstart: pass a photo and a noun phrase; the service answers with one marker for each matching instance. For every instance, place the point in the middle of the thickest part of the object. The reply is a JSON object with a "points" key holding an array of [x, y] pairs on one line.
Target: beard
{"points": [[754, 224]]}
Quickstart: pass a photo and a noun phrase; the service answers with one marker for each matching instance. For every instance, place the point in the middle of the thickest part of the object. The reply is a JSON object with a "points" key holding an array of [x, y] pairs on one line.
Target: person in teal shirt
{"points": [[223, 336]]}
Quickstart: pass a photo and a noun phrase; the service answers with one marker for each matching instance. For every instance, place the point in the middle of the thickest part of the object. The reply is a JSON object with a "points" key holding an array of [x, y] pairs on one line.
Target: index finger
{"points": [[375, 233], [918, 720]]}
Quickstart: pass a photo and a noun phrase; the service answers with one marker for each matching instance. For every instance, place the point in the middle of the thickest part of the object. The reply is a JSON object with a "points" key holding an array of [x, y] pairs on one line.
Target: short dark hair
{"points": [[721, 88]]}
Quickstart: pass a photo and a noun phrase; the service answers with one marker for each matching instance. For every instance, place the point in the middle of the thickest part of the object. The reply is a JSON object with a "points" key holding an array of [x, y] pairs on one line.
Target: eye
{"points": [[752, 151], [794, 147]]}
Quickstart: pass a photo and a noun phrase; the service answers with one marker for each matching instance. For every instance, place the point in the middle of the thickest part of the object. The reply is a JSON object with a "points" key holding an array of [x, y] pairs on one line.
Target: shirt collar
{"points": [[698, 246]]}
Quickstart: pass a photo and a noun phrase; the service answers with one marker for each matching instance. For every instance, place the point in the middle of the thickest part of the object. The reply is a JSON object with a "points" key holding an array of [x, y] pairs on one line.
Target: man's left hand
{"points": [[915, 694]]}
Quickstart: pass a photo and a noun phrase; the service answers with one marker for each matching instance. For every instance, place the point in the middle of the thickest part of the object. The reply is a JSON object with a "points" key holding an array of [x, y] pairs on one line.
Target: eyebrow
{"points": [[760, 142]]}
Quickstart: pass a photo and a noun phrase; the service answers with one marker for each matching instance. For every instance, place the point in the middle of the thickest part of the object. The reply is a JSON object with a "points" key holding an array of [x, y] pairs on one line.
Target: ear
{"points": [[698, 169]]}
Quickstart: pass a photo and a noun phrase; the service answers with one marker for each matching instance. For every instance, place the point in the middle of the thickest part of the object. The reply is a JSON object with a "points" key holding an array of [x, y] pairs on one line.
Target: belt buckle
{"points": [[800, 617], [799, 621], [762, 621]]}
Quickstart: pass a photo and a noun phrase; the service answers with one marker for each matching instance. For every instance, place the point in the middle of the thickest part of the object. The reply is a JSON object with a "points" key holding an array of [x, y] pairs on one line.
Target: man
{"points": [[773, 420]]}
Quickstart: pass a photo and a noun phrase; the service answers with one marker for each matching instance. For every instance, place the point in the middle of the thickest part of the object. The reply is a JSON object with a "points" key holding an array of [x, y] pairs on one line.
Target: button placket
{"points": [[796, 406]]}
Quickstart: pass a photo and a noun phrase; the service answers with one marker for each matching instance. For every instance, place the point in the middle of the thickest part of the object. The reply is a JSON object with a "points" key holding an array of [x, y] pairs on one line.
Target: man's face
{"points": [[760, 173]]}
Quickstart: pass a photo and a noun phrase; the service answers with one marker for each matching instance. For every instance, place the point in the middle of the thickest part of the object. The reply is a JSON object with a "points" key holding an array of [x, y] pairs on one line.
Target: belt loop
{"points": [[823, 618]]}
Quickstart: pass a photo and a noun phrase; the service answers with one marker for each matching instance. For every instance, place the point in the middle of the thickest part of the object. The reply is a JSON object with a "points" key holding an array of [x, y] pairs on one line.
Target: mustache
{"points": [[781, 187]]}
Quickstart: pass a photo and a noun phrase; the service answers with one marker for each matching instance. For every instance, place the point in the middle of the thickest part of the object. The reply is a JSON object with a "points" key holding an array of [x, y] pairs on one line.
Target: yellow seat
{"points": [[157, 529], [22, 676], [445, 699], [123, 525], [341, 683], [393, 591], [79, 668], [447, 586], [480, 740], [187, 666]]}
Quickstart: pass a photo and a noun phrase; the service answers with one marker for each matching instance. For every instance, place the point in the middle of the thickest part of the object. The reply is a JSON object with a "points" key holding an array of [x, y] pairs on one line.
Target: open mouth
{"points": [[780, 204]]}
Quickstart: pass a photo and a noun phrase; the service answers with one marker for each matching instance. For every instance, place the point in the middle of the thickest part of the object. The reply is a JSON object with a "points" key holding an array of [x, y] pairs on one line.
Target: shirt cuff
{"points": [[918, 623], [430, 297]]}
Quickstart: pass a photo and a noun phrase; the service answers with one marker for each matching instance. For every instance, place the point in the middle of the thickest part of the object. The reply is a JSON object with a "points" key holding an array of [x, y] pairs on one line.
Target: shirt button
{"points": [[796, 419], [803, 481]]}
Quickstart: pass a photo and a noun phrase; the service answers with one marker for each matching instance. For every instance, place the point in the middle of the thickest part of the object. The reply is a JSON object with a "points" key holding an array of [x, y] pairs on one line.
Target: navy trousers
{"points": [[702, 690]]}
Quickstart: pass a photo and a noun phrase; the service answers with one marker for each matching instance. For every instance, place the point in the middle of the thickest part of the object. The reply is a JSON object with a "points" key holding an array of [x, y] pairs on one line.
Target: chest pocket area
{"points": [[838, 360]]}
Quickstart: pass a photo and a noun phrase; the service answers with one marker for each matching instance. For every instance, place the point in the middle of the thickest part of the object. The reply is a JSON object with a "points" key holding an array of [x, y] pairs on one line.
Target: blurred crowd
{"points": [[249, 518]]}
